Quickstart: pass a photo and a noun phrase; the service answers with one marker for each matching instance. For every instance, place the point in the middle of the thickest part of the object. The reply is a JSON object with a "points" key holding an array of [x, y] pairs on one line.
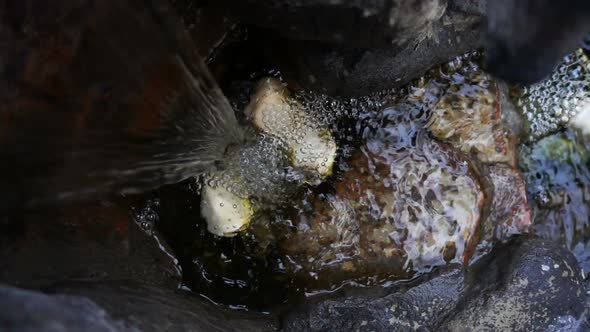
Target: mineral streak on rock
{"points": [[510, 213]]}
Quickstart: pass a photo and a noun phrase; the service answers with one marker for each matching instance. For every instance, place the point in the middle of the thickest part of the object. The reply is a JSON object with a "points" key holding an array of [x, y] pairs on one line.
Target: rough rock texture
{"points": [[346, 70], [121, 306], [518, 29], [526, 285], [157, 309], [419, 308], [509, 211], [369, 23], [28, 311], [558, 178], [399, 209]]}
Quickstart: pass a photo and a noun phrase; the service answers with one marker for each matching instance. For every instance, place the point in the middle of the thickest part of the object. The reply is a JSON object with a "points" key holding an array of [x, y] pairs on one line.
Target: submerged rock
{"points": [[509, 213], [468, 115], [400, 208], [426, 175], [558, 179]]}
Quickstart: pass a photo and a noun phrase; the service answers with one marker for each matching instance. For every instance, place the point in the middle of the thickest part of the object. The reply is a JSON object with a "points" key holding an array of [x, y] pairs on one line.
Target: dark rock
{"points": [[208, 22], [527, 284], [349, 71], [473, 7], [83, 241], [357, 22], [420, 308], [558, 181], [28, 311], [121, 306], [158, 309], [527, 38]]}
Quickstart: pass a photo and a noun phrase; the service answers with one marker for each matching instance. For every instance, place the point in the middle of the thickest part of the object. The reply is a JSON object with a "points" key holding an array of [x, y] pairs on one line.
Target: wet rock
{"points": [[90, 241], [375, 23], [524, 285], [209, 24], [118, 306], [406, 203], [420, 308], [350, 71], [531, 286], [518, 29], [23, 310], [557, 176], [153, 308], [85, 103], [473, 7], [468, 114], [582, 252], [509, 212], [274, 112]]}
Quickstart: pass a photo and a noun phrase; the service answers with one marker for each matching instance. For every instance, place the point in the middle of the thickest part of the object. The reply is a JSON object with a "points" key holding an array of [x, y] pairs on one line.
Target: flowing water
{"points": [[425, 176]]}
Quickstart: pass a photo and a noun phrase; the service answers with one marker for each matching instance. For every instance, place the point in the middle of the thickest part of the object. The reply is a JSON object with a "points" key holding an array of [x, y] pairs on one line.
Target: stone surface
{"points": [[348, 71], [118, 306], [518, 29], [155, 309], [558, 179], [28, 311], [377, 22], [419, 309], [529, 287], [525, 285]]}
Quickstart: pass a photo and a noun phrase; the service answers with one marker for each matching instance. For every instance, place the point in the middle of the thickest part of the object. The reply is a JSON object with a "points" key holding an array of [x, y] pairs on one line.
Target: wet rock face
{"points": [[378, 22], [543, 286], [425, 175], [535, 286], [556, 170], [468, 114], [517, 30], [117, 306], [510, 213], [407, 203], [418, 309], [349, 71], [41, 312]]}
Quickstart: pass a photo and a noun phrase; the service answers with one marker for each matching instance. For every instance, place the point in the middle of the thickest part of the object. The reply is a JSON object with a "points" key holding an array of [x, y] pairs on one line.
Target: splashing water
{"points": [[112, 115], [550, 105], [424, 174]]}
